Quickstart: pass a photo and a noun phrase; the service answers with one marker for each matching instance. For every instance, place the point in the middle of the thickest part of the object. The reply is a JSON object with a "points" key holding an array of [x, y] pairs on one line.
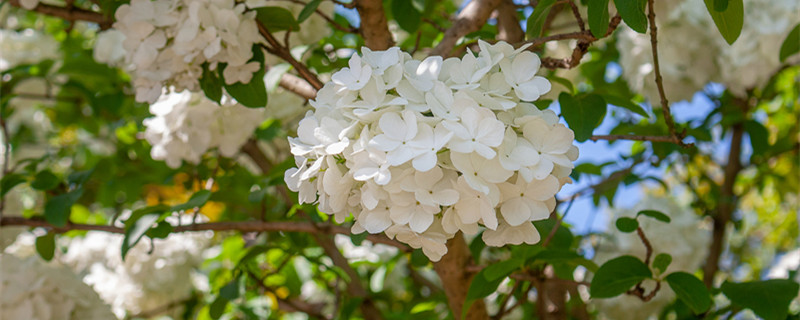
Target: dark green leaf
{"points": [[729, 23], [662, 261], [211, 84], [406, 15], [231, 290], [658, 215], [720, 5], [79, 177], [160, 231], [197, 200], [582, 113], [137, 230], [627, 104], [358, 238], [537, 18], [9, 182], [791, 45], [276, 19], [759, 136], [690, 290], [44, 180], [254, 93], [565, 257], [56, 211], [479, 289], [769, 299], [617, 276], [418, 258], [308, 10], [632, 12], [502, 269], [598, 17], [563, 237], [217, 308], [627, 225], [46, 246]]}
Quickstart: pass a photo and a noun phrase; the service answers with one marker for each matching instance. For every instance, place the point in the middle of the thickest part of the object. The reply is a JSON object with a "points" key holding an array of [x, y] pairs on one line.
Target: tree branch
{"points": [[470, 19], [508, 28], [296, 85], [659, 81], [727, 204], [585, 39], [282, 52], [614, 137], [374, 27], [243, 226], [70, 14]]}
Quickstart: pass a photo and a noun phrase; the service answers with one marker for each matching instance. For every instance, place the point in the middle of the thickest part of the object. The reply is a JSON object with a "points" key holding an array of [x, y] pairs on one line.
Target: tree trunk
{"points": [[452, 270]]}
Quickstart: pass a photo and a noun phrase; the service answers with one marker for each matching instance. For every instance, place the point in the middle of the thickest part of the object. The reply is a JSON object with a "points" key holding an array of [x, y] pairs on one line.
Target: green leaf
{"points": [[406, 15], [418, 258], [197, 200], [618, 275], [56, 211], [626, 104], [160, 231], [598, 17], [254, 93], [308, 10], [729, 22], [632, 12], [791, 45], [502, 269], [658, 215], [139, 224], [690, 290], [211, 84], [79, 177], [627, 225], [720, 5], [46, 246], [563, 237], [9, 182], [479, 289], [217, 308], [276, 19], [583, 113], [759, 136], [45, 180], [537, 18], [231, 290], [662, 261], [769, 299]]}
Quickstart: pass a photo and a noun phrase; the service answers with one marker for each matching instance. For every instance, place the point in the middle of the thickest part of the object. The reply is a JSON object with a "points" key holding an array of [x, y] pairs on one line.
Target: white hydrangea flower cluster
{"points": [[692, 53], [30, 289], [684, 238], [167, 42], [27, 46], [144, 280], [424, 149], [187, 124]]}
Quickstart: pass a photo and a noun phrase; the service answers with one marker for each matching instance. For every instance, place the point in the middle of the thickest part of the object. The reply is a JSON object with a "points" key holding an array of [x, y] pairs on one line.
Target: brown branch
{"points": [[580, 50], [452, 270], [313, 310], [651, 15], [614, 137], [470, 19], [69, 14], [727, 204], [503, 304], [354, 287], [508, 28], [647, 246], [282, 52], [242, 226], [374, 27], [638, 291], [577, 15]]}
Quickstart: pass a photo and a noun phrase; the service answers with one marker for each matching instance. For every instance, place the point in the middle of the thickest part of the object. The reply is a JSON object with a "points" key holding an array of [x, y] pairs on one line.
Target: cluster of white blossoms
{"points": [[166, 43], [187, 124], [423, 149], [144, 280], [685, 238], [27, 46], [30, 289], [692, 52]]}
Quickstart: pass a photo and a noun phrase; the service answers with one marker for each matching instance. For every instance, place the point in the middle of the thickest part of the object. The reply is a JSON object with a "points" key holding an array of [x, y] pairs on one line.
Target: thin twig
{"points": [[651, 15], [614, 137], [648, 247], [326, 17], [577, 15], [69, 14], [282, 52]]}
